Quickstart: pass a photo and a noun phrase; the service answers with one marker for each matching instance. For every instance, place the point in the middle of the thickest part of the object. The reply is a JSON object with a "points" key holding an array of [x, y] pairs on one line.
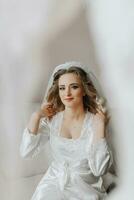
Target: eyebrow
{"points": [[72, 84]]}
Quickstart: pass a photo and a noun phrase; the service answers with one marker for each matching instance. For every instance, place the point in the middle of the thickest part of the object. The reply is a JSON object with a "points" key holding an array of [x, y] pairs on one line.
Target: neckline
{"points": [[82, 128]]}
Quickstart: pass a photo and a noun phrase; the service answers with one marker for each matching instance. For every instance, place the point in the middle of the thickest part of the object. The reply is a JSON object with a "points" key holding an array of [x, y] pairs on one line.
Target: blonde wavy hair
{"points": [[90, 102]]}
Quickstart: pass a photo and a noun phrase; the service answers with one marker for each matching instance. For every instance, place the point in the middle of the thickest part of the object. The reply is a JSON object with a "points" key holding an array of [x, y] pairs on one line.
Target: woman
{"points": [[75, 124]]}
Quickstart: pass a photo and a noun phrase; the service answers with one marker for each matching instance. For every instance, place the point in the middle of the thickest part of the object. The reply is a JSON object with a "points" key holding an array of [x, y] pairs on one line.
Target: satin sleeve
{"points": [[100, 157], [32, 144]]}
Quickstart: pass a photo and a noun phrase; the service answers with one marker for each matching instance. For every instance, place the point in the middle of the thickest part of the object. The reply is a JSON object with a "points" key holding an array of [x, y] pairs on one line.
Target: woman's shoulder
{"points": [[99, 118], [95, 121], [56, 117], [94, 118], [90, 115]]}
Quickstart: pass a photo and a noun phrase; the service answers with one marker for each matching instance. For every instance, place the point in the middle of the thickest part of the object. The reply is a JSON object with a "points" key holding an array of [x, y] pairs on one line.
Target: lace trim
{"points": [[86, 127]]}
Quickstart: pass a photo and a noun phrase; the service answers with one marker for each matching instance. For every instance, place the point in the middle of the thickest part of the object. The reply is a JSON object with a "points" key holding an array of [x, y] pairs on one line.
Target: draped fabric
{"points": [[78, 165]]}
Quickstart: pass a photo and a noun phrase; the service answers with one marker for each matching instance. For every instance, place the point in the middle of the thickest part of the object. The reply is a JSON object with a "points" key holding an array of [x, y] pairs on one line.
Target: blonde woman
{"points": [[74, 123]]}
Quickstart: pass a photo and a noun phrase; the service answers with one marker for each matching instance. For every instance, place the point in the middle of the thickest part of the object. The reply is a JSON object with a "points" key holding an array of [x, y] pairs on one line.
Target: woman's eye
{"points": [[74, 86], [61, 88]]}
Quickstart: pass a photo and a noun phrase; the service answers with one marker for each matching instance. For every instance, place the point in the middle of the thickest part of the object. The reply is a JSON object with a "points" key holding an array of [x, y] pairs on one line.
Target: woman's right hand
{"points": [[46, 110]]}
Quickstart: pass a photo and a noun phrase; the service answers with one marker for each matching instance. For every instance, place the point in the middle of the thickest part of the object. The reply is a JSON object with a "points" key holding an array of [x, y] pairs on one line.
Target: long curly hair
{"points": [[89, 100]]}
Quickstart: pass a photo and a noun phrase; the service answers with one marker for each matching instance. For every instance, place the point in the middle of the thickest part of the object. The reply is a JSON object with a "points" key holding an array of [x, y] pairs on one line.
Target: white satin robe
{"points": [[78, 166]]}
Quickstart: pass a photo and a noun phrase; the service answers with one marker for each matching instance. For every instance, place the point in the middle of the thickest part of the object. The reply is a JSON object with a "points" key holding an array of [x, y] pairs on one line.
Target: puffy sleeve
{"points": [[100, 157], [32, 144]]}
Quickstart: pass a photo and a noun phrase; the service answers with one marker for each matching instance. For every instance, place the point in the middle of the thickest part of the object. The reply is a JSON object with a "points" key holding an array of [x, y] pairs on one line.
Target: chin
{"points": [[71, 105]]}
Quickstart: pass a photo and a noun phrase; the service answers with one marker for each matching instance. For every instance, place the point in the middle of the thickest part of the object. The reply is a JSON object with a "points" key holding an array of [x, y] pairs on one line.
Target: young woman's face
{"points": [[70, 90]]}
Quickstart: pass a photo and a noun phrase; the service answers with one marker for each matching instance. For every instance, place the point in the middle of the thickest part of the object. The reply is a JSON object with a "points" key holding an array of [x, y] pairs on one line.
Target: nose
{"points": [[68, 91]]}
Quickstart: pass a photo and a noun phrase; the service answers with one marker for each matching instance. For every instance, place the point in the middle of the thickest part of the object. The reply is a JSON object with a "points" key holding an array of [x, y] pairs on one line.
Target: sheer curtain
{"points": [[111, 26]]}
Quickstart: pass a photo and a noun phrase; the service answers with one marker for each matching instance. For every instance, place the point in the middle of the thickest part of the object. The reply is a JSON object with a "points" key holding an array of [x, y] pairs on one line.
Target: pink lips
{"points": [[69, 99]]}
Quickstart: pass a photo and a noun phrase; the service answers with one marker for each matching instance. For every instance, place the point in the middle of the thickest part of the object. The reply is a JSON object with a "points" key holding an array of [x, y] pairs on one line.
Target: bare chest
{"points": [[71, 129]]}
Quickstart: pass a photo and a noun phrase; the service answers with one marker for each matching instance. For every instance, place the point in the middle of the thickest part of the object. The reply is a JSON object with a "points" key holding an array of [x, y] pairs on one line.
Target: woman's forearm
{"points": [[33, 124]]}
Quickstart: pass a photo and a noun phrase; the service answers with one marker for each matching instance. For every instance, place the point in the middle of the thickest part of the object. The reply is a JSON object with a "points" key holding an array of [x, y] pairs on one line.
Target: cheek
{"points": [[60, 94], [79, 93]]}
